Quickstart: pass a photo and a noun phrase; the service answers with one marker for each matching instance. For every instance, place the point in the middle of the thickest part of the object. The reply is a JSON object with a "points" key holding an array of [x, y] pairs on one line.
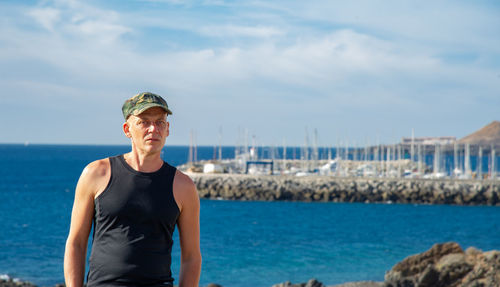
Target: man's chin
{"points": [[153, 146]]}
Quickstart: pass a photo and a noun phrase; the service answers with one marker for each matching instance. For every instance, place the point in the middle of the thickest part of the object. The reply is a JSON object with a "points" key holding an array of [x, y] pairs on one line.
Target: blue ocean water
{"points": [[243, 243]]}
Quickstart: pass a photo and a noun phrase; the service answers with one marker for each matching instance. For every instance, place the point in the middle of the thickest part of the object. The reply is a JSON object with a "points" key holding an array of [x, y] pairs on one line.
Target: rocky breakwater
{"points": [[333, 189]]}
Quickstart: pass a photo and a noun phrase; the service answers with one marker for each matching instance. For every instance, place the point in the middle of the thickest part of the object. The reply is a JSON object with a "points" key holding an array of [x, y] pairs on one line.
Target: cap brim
{"points": [[151, 105]]}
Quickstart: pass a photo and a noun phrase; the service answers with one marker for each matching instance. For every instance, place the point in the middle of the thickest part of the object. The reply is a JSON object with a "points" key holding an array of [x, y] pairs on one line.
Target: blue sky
{"points": [[357, 71]]}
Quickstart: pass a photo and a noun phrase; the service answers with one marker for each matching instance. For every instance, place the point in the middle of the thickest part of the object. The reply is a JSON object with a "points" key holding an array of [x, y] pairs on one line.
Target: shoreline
{"points": [[444, 264], [334, 189]]}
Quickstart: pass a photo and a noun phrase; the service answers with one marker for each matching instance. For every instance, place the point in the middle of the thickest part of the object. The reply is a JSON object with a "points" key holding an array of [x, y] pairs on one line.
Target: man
{"points": [[135, 200]]}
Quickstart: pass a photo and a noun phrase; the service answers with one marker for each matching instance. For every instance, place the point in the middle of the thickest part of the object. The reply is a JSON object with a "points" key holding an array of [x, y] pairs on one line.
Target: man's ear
{"points": [[168, 129], [126, 129]]}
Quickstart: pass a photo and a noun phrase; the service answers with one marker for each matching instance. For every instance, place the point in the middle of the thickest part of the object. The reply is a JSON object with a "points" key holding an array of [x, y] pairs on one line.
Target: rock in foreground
{"points": [[310, 283], [9, 282], [361, 284], [316, 283], [447, 265], [6, 281]]}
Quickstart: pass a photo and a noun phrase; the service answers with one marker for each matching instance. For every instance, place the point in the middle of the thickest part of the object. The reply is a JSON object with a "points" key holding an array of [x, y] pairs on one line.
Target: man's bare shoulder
{"points": [[184, 189], [95, 177], [183, 183], [97, 169]]}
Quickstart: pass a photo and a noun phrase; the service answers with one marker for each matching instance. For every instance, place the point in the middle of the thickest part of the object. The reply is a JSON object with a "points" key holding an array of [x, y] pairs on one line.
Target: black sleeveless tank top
{"points": [[134, 220]]}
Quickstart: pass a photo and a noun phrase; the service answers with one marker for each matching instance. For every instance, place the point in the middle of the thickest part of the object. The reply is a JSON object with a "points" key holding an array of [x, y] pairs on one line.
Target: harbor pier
{"points": [[341, 189]]}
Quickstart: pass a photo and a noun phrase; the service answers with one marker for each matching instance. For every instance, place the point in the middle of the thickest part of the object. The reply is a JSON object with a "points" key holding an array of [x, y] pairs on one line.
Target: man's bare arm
{"points": [[189, 230], [93, 177]]}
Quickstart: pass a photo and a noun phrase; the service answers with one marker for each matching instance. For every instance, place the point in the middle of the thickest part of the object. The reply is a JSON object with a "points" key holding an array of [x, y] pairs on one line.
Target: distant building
{"points": [[429, 140]]}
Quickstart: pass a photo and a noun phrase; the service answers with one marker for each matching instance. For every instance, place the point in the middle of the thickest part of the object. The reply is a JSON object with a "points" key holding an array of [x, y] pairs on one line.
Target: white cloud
{"points": [[74, 20], [241, 31], [47, 17], [441, 25], [101, 31]]}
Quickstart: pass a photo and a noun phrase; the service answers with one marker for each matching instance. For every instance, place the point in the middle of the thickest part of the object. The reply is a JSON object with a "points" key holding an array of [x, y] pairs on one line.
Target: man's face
{"points": [[148, 130]]}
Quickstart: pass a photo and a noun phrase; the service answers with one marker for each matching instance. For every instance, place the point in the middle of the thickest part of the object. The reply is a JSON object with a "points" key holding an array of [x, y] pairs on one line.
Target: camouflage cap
{"points": [[141, 102]]}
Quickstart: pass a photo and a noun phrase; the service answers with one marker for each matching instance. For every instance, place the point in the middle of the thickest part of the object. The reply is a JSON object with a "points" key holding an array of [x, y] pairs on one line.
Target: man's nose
{"points": [[154, 126]]}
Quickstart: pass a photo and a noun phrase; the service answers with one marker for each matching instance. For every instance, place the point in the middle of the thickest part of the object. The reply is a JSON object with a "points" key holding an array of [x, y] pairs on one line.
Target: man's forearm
{"points": [[190, 273], [74, 265]]}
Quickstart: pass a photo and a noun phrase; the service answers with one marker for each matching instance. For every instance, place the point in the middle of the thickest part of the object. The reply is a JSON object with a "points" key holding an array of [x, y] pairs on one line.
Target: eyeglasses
{"points": [[145, 124]]}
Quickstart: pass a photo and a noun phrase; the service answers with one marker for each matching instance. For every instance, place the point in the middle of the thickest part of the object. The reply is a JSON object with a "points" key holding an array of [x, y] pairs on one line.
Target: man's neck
{"points": [[144, 162]]}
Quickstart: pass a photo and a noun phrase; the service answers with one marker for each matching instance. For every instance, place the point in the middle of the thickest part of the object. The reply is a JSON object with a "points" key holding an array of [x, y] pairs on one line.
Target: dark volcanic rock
{"points": [[14, 283], [446, 265], [360, 284], [9, 282], [310, 283], [316, 283]]}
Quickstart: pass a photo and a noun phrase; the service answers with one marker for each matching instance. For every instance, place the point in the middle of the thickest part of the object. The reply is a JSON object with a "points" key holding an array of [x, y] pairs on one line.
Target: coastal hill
{"points": [[486, 136]]}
